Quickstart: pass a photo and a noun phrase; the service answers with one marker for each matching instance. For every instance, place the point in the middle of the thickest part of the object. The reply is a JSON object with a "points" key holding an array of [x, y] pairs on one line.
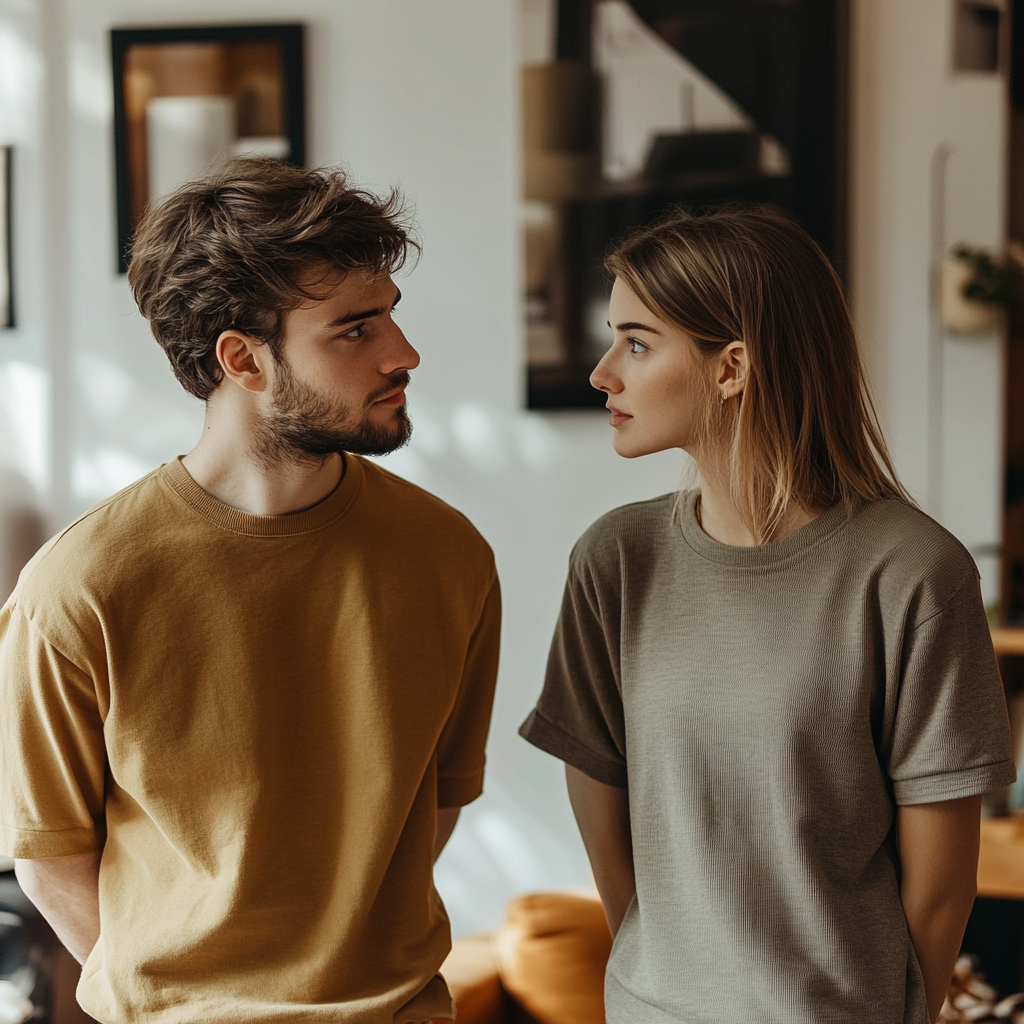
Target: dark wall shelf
{"points": [[786, 65]]}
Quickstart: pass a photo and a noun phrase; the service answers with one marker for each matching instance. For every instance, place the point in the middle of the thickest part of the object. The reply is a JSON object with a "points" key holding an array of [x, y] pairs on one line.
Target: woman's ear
{"points": [[734, 365], [242, 359]]}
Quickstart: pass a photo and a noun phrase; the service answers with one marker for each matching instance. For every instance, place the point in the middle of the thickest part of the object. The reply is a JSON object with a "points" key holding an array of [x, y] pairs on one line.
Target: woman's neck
{"points": [[720, 519]]}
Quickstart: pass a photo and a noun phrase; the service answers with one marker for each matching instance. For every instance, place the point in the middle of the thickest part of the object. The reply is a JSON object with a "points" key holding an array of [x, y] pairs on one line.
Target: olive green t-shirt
{"points": [[256, 718], [768, 708]]}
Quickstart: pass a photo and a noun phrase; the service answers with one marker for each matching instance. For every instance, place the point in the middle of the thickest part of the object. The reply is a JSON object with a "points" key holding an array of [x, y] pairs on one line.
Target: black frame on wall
{"points": [[814, 41], [290, 38]]}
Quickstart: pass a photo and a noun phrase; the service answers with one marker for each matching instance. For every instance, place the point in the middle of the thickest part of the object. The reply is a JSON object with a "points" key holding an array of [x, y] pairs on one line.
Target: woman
{"points": [[776, 695]]}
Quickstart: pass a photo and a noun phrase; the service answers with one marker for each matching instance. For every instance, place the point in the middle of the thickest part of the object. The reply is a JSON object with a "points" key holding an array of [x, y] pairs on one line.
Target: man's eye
{"points": [[355, 332]]}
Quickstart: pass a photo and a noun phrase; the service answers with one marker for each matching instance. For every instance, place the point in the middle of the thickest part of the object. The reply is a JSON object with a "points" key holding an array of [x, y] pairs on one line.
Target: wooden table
{"points": [[1000, 864], [1001, 861]]}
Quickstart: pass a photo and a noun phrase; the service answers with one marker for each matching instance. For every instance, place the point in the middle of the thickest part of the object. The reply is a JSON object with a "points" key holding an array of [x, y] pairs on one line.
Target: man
{"points": [[244, 698]]}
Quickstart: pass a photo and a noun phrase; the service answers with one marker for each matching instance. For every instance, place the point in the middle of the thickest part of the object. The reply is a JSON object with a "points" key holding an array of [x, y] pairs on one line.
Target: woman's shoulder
{"points": [[894, 528], [909, 552], [638, 525]]}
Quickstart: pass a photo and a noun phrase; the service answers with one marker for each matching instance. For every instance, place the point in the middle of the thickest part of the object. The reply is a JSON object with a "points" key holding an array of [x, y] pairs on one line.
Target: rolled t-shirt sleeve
{"points": [[579, 716], [950, 736], [52, 753], [460, 750]]}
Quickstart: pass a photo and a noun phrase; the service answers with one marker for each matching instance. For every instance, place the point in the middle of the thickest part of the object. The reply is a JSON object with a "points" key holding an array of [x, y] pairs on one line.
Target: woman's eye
{"points": [[636, 347]]}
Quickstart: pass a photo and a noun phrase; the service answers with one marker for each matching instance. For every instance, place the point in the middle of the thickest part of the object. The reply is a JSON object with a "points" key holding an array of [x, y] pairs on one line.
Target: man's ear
{"points": [[733, 368], [243, 359]]}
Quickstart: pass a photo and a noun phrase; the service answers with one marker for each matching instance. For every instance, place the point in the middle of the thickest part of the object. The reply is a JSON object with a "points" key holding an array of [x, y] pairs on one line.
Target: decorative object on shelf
{"points": [[188, 98], [631, 107], [974, 289], [6, 240]]}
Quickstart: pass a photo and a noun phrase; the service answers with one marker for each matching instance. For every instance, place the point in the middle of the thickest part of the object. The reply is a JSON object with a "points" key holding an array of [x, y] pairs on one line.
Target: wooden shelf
{"points": [[1008, 640]]}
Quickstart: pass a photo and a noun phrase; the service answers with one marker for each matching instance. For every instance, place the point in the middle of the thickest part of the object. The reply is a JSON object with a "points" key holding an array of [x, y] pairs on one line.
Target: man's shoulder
{"points": [[94, 546], [412, 508]]}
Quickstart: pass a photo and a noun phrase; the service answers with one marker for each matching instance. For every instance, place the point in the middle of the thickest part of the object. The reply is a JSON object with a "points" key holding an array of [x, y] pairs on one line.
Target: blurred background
{"points": [[527, 134]]}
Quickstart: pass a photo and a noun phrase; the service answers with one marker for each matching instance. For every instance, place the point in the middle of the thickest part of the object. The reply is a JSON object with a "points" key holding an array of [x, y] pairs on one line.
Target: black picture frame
{"points": [[815, 191], [289, 37], [6, 237]]}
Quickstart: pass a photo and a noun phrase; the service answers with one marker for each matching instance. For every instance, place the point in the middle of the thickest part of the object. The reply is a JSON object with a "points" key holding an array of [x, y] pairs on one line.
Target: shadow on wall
{"points": [[22, 530]]}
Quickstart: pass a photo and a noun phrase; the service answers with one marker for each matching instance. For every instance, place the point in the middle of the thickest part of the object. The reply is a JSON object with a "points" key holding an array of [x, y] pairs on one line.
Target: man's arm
{"points": [[66, 892], [938, 849], [446, 819], [602, 814]]}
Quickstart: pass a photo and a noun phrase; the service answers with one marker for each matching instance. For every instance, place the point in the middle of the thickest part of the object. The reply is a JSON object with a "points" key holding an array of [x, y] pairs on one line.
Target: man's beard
{"points": [[305, 425]]}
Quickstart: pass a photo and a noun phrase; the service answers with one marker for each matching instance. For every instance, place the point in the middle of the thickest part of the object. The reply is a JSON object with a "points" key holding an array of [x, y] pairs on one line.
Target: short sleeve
{"points": [[460, 750], [579, 716], [52, 754], [950, 736]]}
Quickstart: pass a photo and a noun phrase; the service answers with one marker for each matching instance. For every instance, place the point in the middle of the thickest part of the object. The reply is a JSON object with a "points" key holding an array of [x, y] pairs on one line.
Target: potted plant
{"points": [[974, 288]]}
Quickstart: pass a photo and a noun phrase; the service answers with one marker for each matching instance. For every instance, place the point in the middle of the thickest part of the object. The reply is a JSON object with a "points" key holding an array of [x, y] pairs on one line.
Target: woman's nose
{"points": [[603, 379]]}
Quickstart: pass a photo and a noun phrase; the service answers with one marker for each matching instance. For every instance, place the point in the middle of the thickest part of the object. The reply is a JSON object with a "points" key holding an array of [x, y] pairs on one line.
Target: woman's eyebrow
{"points": [[632, 325]]}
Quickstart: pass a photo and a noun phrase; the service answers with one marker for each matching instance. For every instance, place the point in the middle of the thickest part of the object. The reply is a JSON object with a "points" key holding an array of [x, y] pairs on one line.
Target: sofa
{"points": [[544, 965]]}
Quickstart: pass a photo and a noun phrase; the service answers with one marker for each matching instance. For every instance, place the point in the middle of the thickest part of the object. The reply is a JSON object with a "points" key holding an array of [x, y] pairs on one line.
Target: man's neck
{"points": [[227, 466]]}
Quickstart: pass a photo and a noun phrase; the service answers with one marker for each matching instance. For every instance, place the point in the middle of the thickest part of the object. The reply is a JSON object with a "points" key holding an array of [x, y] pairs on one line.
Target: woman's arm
{"points": [[602, 814], [66, 891], [938, 848]]}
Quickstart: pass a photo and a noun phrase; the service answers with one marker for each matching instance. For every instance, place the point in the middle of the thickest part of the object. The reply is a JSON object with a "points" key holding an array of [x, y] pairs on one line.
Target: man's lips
{"points": [[393, 395], [616, 418]]}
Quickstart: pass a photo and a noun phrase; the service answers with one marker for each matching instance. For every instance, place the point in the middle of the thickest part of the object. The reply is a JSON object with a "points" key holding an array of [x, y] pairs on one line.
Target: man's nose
{"points": [[403, 356]]}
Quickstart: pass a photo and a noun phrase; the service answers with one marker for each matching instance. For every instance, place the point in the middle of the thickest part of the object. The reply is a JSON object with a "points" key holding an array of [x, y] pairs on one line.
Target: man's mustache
{"points": [[395, 381]]}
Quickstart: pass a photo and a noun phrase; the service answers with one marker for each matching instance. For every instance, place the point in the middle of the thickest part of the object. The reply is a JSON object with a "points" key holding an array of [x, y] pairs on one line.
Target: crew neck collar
{"points": [[758, 555], [335, 505]]}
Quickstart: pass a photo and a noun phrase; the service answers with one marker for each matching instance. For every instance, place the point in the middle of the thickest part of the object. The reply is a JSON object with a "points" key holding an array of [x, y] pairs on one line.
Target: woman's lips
{"points": [[616, 418]]}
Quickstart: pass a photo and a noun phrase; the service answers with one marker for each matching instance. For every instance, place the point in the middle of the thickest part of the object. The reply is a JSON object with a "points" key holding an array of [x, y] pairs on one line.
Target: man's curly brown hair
{"points": [[236, 250]]}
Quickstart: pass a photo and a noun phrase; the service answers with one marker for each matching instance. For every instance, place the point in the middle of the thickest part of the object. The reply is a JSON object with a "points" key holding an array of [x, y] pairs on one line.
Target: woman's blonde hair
{"points": [[804, 429]]}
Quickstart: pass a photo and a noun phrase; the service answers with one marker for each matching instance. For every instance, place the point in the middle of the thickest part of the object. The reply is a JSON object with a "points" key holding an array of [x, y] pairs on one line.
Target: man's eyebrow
{"points": [[366, 314], [632, 325]]}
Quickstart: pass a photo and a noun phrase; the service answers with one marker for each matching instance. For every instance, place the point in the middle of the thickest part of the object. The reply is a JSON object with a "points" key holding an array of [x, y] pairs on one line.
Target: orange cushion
{"points": [[472, 976], [552, 951]]}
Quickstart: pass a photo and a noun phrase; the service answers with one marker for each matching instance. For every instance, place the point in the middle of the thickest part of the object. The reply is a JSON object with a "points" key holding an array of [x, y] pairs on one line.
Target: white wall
{"points": [[24, 412], [424, 93], [906, 105]]}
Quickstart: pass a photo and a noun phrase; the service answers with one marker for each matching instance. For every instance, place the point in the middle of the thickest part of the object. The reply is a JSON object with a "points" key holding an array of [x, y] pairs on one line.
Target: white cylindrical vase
{"points": [[187, 137]]}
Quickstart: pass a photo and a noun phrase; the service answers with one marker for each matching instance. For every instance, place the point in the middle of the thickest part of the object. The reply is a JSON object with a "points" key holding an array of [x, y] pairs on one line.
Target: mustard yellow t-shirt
{"points": [[256, 718]]}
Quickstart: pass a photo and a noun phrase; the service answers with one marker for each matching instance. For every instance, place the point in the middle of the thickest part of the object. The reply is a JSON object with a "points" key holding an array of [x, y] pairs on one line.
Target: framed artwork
{"points": [[188, 98], [6, 241], [977, 28], [633, 107]]}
